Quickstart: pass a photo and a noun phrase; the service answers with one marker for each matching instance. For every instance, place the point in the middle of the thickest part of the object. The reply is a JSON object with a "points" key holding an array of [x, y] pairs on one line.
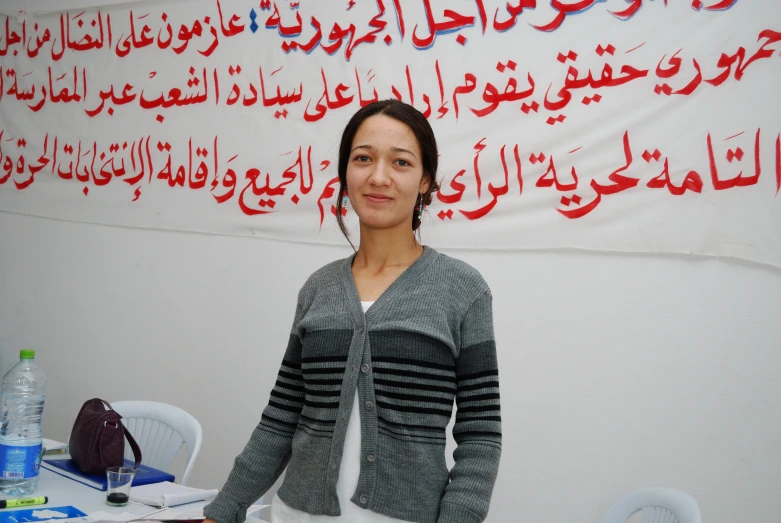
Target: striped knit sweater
{"points": [[426, 341]]}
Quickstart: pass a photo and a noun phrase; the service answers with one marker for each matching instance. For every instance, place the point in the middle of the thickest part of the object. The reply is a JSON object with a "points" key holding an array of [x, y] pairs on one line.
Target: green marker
{"points": [[8, 503]]}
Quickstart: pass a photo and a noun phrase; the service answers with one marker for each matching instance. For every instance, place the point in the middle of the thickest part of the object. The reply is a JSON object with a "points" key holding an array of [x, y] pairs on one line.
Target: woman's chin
{"points": [[375, 221]]}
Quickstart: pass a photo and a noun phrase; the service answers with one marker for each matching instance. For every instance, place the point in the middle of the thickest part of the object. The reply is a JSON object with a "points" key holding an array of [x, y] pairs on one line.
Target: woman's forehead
{"points": [[386, 133]]}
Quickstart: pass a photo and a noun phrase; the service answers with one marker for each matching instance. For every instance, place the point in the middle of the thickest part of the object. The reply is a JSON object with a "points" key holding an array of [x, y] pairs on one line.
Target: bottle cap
{"points": [[27, 354]]}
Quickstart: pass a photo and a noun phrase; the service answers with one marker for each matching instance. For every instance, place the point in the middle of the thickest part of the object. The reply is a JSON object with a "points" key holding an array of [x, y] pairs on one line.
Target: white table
{"points": [[63, 491]]}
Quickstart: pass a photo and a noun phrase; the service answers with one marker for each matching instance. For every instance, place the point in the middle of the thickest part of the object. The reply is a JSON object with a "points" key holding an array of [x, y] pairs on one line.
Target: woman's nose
{"points": [[380, 174]]}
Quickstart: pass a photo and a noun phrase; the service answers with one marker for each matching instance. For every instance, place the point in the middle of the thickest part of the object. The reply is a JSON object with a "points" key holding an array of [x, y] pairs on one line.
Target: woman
{"points": [[382, 343]]}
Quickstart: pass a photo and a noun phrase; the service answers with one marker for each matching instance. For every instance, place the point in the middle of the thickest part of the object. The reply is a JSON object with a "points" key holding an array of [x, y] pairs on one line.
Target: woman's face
{"points": [[385, 173]]}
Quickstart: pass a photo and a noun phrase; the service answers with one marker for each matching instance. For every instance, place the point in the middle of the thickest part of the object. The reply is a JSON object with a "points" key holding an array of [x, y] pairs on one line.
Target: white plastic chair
{"points": [[659, 505], [160, 430]]}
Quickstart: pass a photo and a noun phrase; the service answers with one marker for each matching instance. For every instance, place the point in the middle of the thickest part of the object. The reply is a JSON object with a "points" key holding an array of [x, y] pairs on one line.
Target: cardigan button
{"points": [[371, 456], [365, 368], [364, 499], [369, 405]]}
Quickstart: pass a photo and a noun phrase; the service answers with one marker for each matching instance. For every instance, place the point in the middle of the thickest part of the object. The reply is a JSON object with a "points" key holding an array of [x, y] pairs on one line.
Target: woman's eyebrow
{"points": [[394, 149]]}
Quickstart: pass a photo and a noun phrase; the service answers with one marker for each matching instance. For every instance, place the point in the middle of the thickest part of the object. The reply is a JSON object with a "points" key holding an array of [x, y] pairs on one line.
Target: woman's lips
{"points": [[378, 198]]}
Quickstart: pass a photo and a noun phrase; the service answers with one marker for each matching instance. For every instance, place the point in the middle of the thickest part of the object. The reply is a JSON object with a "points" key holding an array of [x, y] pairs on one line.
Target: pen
{"points": [[7, 503]]}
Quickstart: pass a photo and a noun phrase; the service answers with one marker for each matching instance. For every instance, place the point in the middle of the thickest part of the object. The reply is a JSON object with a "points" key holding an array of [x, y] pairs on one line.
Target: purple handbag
{"points": [[97, 440]]}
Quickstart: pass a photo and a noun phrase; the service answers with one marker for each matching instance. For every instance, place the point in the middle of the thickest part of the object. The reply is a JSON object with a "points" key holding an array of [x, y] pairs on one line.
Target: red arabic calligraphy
{"points": [[434, 23], [83, 32], [508, 87], [300, 177]]}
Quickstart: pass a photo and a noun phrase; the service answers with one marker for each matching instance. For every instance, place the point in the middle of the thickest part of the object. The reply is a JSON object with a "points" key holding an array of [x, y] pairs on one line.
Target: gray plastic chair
{"points": [[659, 505]]}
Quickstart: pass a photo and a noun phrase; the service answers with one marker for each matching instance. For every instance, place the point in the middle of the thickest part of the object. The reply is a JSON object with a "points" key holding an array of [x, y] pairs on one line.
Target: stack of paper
{"points": [[54, 447], [167, 494]]}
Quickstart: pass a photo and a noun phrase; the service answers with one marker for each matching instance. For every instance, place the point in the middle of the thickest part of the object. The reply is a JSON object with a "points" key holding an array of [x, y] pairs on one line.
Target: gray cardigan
{"points": [[426, 341]]}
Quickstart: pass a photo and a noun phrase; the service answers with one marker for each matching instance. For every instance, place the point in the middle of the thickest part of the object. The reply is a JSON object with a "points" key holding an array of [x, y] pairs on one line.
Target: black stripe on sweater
{"points": [[315, 420], [484, 408], [416, 386], [321, 404], [408, 426], [477, 375], [413, 362], [290, 364], [411, 397], [482, 397], [325, 393], [413, 374], [296, 377], [460, 419], [326, 431], [285, 407], [331, 370], [328, 381], [475, 386], [418, 410], [288, 386], [286, 397]]}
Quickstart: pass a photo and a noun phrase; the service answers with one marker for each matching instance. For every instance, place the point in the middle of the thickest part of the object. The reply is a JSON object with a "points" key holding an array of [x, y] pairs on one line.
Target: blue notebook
{"points": [[144, 474], [29, 514]]}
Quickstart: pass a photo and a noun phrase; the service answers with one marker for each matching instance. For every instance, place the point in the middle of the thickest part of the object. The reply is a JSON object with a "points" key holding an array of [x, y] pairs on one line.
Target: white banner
{"points": [[615, 125]]}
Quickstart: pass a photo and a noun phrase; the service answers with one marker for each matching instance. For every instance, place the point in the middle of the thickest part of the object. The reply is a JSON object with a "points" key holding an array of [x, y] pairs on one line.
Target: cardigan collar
{"points": [[398, 288]]}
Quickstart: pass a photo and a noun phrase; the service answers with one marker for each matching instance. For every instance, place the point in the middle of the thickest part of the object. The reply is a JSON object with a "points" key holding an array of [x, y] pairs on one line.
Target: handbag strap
{"points": [[134, 446], [128, 435]]}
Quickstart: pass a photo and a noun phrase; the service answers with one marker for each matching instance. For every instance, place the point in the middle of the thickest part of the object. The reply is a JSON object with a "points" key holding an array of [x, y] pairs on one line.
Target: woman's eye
{"points": [[403, 163], [362, 158]]}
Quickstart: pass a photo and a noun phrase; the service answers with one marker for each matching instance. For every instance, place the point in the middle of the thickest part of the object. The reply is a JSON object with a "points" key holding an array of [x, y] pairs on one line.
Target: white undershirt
{"points": [[349, 470]]}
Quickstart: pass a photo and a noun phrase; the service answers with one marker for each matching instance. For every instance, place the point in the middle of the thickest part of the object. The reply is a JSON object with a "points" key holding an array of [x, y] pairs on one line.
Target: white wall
{"points": [[617, 372]]}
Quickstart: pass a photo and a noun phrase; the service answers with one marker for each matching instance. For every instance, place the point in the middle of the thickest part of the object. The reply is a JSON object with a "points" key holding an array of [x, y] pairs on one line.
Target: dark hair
{"points": [[419, 126]]}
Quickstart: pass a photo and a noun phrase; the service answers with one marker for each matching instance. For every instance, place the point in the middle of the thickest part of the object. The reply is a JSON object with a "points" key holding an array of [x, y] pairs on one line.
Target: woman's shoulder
{"points": [[459, 268], [458, 273], [331, 270], [329, 274]]}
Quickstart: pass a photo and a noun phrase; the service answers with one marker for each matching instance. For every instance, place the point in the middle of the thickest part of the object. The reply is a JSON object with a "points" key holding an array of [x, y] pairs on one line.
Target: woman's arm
{"points": [[268, 451], [478, 427]]}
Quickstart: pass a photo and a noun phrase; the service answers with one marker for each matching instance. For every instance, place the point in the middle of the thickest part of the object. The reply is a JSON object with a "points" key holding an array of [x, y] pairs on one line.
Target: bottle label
{"points": [[20, 462]]}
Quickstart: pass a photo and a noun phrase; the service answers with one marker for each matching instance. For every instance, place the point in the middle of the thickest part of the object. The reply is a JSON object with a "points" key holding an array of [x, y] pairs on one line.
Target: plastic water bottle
{"points": [[21, 446]]}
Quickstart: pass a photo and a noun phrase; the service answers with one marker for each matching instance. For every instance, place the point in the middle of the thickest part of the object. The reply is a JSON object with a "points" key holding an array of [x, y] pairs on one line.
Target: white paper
{"points": [[50, 445], [173, 515], [168, 494], [48, 514]]}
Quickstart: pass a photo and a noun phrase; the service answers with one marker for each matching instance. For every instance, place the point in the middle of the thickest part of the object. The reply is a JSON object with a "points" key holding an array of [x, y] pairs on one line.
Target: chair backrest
{"points": [[659, 505], [160, 430]]}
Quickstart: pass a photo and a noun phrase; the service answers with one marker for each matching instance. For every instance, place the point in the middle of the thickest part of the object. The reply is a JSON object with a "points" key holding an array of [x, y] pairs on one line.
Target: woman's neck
{"points": [[379, 250]]}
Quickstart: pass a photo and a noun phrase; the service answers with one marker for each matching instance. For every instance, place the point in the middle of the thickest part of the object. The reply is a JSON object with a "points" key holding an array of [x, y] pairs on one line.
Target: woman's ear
{"points": [[425, 183]]}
